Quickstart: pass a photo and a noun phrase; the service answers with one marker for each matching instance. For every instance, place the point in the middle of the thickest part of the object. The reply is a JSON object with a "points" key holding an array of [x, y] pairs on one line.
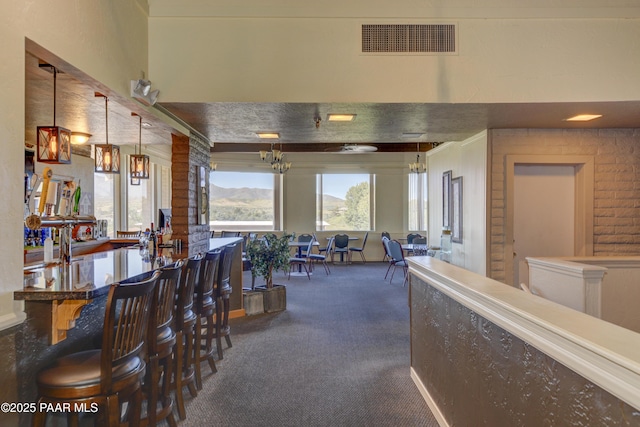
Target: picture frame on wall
{"points": [[456, 209], [446, 200]]}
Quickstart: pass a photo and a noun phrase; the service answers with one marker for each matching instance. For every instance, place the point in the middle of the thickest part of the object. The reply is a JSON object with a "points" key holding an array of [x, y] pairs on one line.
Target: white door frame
{"points": [[584, 192]]}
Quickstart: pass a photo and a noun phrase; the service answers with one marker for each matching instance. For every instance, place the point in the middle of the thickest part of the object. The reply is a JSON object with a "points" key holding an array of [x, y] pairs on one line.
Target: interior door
{"points": [[544, 214]]}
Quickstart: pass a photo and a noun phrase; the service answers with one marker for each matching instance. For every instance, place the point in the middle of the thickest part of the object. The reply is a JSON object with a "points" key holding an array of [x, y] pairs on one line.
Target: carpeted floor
{"points": [[339, 356]]}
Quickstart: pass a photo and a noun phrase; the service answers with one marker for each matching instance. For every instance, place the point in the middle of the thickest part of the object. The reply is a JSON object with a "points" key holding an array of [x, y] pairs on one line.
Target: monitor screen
{"points": [[164, 217]]}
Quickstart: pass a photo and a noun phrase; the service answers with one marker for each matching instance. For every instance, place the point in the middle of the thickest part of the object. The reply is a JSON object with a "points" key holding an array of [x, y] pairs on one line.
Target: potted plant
{"points": [[267, 255]]}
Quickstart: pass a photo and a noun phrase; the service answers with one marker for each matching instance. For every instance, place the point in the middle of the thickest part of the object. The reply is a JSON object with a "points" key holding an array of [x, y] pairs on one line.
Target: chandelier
{"points": [[276, 159], [417, 167]]}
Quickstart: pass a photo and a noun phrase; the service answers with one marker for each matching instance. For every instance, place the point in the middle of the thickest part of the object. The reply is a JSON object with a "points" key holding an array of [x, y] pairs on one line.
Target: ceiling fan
{"points": [[352, 149]]}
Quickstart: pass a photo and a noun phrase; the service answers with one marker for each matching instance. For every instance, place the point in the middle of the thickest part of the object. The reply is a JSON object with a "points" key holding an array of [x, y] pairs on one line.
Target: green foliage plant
{"points": [[269, 254]]}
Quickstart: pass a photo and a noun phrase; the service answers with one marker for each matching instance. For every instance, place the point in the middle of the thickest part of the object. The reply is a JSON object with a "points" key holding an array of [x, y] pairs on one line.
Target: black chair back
{"points": [[412, 236], [341, 241]]}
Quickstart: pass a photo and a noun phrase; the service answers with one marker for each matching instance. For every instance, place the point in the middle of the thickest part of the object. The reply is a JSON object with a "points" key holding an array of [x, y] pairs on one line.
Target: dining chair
{"points": [[412, 236], [359, 249], [109, 376], [230, 234], [387, 254], [302, 260], [125, 234], [304, 238], [340, 246], [322, 258], [385, 234], [397, 255]]}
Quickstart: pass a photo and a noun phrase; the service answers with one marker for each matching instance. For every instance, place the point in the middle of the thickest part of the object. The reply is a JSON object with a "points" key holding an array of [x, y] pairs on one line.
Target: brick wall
{"points": [[616, 155], [187, 156]]}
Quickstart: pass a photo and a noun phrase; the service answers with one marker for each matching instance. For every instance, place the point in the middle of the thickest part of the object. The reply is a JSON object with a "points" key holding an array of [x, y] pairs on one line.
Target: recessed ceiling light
{"points": [[268, 135], [412, 134], [583, 117], [341, 117]]}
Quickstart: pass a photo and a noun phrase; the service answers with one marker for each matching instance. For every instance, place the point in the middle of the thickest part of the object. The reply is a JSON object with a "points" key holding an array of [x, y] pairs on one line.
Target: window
{"points": [[103, 200], [242, 201], [344, 202], [140, 213], [417, 202]]}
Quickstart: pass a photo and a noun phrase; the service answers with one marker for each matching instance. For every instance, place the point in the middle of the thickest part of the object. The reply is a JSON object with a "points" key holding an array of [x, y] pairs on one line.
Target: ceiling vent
{"points": [[409, 38]]}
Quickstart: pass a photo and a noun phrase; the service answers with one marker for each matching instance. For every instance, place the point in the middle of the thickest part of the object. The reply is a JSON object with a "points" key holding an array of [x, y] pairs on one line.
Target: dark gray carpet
{"points": [[339, 355]]}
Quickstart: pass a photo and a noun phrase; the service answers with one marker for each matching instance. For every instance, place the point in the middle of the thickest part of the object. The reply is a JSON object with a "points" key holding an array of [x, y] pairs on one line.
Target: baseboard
{"points": [[237, 313], [427, 398]]}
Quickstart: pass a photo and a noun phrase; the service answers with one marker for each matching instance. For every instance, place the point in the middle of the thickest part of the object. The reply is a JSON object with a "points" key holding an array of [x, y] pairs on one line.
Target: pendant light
{"points": [[54, 142], [107, 155], [138, 163], [417, 167]]}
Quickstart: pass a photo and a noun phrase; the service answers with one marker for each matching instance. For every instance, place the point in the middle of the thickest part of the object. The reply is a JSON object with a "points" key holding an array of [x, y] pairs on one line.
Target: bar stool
{"points": [[185, 333], [222, 291], [205, 308], [111, 375], [161, 342]]}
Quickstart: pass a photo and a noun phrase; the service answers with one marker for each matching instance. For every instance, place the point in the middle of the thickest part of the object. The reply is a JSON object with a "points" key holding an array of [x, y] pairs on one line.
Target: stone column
{"points": [[188, 155]]}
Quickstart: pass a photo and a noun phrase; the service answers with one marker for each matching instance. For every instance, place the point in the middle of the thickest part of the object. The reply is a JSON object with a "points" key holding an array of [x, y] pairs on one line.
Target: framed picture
{"points": [[203, 199], [456, 209], [446, 199]]}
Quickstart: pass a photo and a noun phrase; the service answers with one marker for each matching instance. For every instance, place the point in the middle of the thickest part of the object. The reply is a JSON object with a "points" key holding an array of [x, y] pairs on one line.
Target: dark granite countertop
{"points": [[87, 276]]}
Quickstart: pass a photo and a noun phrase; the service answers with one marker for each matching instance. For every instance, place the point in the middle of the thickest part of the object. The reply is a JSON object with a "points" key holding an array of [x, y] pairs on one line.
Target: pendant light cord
{"points": [[54, 95]]}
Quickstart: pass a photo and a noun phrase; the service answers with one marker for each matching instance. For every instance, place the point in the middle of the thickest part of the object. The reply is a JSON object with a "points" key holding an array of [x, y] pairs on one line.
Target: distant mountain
{"points": [[332, 200], [243, 193]]}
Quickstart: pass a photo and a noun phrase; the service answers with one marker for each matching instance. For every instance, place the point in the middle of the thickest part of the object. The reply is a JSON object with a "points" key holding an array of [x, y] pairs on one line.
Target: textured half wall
{"points": [[479, 374]]}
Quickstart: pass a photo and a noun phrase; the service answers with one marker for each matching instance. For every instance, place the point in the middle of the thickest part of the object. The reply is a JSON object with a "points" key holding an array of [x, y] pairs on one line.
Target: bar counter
{"points": [[65, 312], [63, 290]]}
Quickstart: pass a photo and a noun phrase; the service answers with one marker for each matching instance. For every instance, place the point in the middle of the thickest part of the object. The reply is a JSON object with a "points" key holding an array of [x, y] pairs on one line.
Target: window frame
{"points": [[276, 224], [320, 202]]}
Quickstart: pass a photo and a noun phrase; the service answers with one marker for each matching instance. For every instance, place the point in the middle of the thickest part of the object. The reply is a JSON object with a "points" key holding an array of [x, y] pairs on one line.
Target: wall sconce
{"points": [[107, 155], [54, 142], [138, 162], [80, 138], [141, 90]]}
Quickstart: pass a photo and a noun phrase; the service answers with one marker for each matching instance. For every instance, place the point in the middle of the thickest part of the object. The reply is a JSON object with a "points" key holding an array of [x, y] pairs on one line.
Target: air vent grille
{"points": [[411, 38]]}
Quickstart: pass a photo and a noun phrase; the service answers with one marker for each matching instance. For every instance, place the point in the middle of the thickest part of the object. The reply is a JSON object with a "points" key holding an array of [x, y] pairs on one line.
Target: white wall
{"points": [[467, 159], [107, 39], [272, 55]]}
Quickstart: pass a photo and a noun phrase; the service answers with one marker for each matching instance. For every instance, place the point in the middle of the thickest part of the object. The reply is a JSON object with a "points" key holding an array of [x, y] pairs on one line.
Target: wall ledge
{"points": [[603, 353]]}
